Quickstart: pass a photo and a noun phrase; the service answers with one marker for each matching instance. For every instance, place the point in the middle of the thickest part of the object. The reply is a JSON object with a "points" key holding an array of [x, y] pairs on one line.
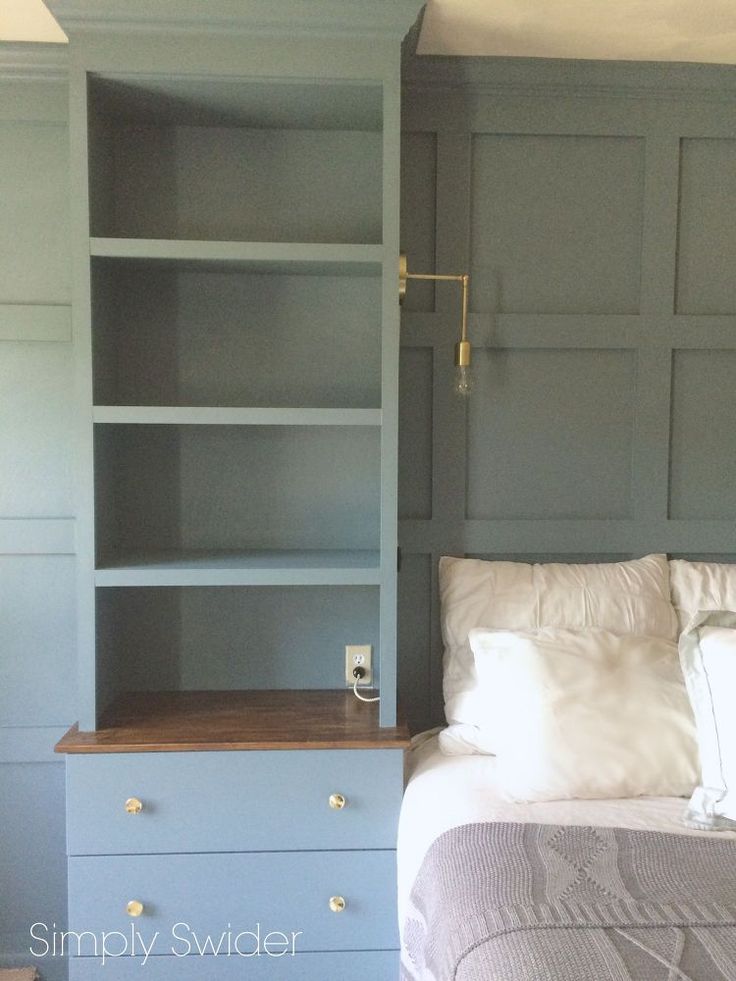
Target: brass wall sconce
{"points": [[463, 383]]}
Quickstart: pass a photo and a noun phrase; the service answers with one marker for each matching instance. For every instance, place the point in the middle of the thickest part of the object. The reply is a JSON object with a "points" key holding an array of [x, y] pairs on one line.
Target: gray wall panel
{"points": [[34, 254], [703, 460], [415, 433], [550, 434], [705, 273], [556, 223], [416, 673], [36, 386], [37, 632]]}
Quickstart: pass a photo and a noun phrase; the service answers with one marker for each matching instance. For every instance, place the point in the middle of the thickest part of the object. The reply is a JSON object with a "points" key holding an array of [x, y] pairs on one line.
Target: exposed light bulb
{"points": [[463, 383]]}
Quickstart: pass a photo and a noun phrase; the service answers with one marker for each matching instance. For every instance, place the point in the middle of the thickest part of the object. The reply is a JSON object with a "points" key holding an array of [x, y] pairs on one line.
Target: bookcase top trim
{"points": [[325, 18]]}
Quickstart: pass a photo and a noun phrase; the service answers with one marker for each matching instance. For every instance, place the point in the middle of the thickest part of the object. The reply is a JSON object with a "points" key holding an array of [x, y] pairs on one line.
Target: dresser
{"points": [[235, 216], [267, 847]]}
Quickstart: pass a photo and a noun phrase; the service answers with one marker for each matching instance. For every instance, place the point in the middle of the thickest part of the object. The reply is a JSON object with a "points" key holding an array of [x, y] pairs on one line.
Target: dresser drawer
{"points": [[362, 965], [257, 892], [233, 801]]}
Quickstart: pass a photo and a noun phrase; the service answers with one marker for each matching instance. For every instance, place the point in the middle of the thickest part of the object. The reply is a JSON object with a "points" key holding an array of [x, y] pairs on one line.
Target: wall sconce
{"points": [[463, 373]]}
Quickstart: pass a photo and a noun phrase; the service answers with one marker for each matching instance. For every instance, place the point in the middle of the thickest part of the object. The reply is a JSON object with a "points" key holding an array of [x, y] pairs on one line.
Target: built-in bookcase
{"points": [[235, 198], [243, 458]]}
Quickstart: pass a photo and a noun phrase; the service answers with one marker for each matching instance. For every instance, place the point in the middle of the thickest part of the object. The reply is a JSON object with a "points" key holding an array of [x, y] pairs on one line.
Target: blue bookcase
{"points": [[235, 220], [235, 198]]}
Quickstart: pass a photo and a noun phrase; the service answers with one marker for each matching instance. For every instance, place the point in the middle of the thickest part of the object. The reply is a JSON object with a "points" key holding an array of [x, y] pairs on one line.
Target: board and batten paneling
{"points": [[37, 598], [593, 205]]}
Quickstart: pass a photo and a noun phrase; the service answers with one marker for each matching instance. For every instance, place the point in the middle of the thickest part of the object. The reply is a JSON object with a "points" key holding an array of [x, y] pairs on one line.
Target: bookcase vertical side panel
{"points": [[84, 458], [390, 393]]}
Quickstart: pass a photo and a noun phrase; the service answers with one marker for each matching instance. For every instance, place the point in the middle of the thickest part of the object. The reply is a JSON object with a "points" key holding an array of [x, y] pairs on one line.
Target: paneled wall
{"points": [[37, 642], [595, 208]]}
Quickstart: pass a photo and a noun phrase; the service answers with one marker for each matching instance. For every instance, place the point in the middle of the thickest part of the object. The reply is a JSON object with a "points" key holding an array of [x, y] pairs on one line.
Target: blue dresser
{"points": [[269, 863]]}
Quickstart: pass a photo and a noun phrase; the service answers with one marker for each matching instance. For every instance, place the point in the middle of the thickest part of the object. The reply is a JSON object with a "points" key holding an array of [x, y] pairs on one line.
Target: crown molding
{"points": [[23, 59], [310, 18], [562, 77]]}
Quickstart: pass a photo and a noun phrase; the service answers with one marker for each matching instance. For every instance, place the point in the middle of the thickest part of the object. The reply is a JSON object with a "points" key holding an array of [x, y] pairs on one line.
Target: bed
{"points": [[451, 805], [619, 887]]}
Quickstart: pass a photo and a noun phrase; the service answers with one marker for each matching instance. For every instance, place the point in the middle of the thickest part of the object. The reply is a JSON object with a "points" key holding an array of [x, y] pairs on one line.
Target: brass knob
{"points": [[337, 904], [337, 802], [133, 805], [134, 908]]}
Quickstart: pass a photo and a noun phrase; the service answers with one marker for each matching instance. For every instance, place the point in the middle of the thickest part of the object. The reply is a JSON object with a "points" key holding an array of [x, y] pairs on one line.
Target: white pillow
{"points": [[586, 714], [708, 655], [628, 597], [701, 586]]}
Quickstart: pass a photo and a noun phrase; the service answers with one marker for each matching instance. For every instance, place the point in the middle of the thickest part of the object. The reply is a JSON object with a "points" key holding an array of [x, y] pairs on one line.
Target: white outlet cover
{"points": [[359, 655]]}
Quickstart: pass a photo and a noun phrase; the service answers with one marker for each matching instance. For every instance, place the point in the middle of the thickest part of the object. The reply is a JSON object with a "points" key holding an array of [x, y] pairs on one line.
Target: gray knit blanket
{"points": [[530, 902]]}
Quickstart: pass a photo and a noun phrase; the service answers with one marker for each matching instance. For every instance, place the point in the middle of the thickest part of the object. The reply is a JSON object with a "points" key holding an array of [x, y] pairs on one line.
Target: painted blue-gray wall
{"points": [[594, 206], [37, 631]]}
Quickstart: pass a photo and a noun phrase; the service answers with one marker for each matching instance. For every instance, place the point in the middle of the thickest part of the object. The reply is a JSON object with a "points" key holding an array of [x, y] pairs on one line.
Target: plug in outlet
{"points": [[358, 656]]}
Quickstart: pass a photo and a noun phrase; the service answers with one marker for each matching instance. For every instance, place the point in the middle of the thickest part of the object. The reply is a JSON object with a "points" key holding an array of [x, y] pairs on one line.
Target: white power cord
{"points": [[358, 674]]}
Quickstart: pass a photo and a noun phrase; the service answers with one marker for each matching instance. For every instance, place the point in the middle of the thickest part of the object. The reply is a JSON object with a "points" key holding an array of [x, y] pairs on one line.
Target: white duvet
{"points": [[446, 791]]}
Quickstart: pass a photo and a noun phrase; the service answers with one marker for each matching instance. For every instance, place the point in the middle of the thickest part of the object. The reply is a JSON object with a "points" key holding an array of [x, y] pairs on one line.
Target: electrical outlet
{"points": [[358, 656]]}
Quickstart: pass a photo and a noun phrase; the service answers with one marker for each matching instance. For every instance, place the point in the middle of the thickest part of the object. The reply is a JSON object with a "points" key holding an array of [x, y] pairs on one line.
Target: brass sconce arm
{"points": [[463, 353]]}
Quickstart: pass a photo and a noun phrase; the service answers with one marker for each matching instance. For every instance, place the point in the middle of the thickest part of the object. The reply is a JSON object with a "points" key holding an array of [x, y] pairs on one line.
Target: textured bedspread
{"points": [[531, 902]]}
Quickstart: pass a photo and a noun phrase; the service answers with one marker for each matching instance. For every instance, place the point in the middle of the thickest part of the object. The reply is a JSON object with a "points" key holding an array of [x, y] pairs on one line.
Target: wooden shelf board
{"points": [[278, 258], [281, 567], [231, 416], [238, 720]]}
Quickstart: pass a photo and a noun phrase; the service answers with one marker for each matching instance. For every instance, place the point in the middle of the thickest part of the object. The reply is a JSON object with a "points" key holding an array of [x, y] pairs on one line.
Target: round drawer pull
{"points": [[337, 904], [133, 805], [337, 802], [134, 908]]}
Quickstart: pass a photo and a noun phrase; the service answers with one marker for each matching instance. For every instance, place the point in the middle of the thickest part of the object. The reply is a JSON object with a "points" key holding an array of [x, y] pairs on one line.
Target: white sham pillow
{"points": [[627, 597], [586, 714], [708, 656], [701, 586]]}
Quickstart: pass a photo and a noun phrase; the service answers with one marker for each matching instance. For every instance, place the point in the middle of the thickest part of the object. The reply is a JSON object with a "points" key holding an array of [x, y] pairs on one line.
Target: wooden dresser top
{"points": [[236, 720]]}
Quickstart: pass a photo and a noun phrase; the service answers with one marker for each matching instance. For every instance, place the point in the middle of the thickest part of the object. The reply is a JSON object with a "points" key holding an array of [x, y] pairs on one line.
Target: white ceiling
{"points": [[641, 30], [28, 20]]}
